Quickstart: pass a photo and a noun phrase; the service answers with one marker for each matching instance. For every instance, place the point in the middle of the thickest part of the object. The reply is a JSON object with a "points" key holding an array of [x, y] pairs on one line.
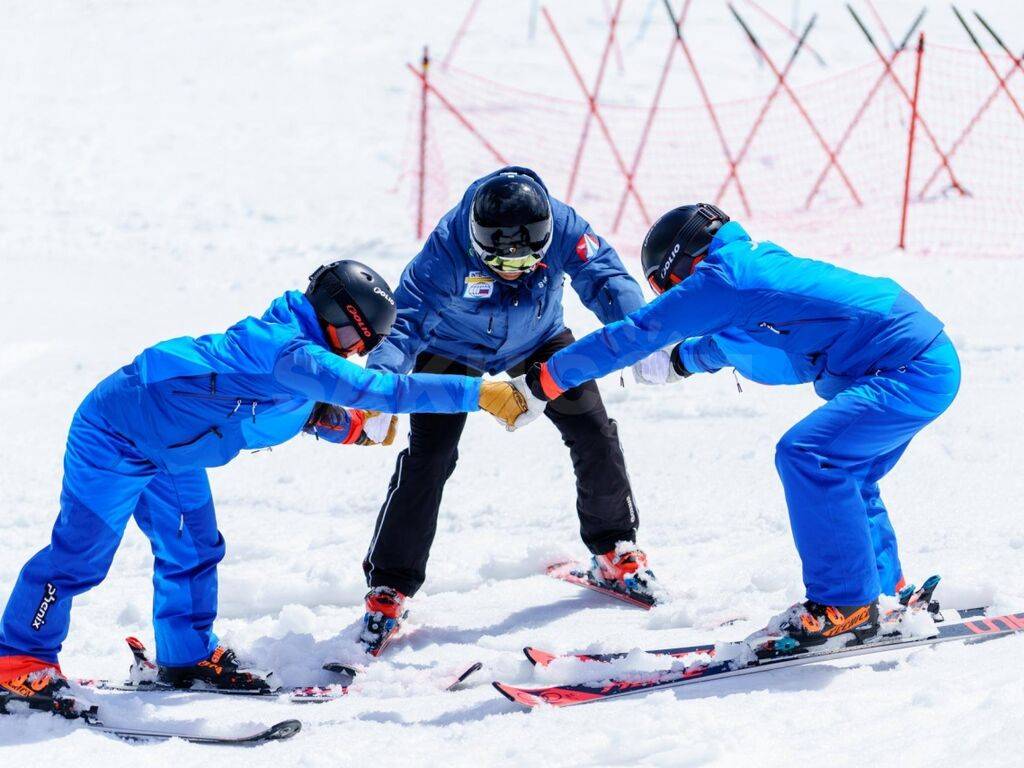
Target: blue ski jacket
{"points": [[452, 305], [196, 402], [777, 318]]}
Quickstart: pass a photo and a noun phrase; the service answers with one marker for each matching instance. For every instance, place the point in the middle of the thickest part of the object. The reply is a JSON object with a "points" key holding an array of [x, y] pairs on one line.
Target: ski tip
{"points": [[560, 565], [340, 669], [135, 644], [472, 669], [516, 695], [537, 657], [281, 731]]}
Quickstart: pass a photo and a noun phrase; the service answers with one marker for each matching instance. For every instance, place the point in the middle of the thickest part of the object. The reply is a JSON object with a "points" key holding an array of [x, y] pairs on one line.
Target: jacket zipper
{"points": [[779, 328]]}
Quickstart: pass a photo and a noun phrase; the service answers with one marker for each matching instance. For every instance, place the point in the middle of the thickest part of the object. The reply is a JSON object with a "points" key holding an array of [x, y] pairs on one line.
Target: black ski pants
{"points": [[407, 521]]}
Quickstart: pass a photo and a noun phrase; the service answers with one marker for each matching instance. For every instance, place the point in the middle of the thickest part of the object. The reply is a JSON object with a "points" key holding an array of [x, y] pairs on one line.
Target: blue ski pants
{"points": [[830, 464], [106, 482]]}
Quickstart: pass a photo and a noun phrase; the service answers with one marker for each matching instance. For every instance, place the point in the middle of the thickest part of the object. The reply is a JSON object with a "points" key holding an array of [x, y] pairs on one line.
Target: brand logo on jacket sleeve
{"points": [[587, 246]]}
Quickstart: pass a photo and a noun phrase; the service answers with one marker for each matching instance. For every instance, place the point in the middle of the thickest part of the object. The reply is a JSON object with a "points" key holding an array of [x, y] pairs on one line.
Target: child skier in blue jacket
{"points": [[879, 358], [140, 444]]}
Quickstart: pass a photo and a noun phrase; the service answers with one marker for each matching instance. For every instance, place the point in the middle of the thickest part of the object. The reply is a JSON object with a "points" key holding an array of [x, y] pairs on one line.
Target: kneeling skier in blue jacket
{"points": [[879, 358], [139, 446]]}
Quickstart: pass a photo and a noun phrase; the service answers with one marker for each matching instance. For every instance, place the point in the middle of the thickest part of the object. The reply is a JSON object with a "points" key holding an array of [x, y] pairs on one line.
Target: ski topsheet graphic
{"points": [[542, 658], [578, 573], [732, 659]]}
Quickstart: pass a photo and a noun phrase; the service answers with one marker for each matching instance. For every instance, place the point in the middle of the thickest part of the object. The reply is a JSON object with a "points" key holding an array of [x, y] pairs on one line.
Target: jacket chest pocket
{"points": [[782, 331]]}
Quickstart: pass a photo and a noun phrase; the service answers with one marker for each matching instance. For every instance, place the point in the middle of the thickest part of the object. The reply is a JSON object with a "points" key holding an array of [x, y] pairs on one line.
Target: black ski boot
{"points": [[221, 671]]}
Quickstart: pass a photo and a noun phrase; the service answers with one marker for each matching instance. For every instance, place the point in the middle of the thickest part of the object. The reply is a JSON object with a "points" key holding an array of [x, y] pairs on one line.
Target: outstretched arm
{"points": [[318, 374], [704, 303]]}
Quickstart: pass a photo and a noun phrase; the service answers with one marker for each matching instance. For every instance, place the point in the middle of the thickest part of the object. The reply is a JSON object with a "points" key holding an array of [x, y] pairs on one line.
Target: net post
{"points": [[910, 141], [422, 169]]}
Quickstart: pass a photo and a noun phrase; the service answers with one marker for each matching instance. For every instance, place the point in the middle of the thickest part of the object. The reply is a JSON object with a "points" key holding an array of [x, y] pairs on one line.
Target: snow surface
{"points": [[170, 167]]}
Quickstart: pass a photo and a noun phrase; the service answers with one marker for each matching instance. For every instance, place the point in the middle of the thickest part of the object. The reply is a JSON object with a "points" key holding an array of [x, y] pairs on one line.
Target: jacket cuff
{"points": [[471, 394], [356, 419], [677, 364], [543, 384]]}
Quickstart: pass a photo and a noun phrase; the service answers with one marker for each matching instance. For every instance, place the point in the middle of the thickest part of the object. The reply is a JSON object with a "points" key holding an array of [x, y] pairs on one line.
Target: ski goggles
{"points": [[348, 340], [512, 250]]}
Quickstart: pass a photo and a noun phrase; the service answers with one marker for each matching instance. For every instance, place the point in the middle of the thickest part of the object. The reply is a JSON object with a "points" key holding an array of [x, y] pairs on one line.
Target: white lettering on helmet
{"points": [[381, 292]]}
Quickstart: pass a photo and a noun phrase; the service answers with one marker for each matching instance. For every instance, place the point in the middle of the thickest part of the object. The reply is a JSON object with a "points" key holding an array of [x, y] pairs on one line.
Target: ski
{"points": [[581, 693], [277, 732], [318, 694], [142, 678], [542, 658], [576, 573]]}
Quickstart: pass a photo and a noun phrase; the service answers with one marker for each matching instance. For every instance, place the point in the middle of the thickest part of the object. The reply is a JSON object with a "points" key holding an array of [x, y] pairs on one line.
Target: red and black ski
{"points": [[542, 658], [583, 693]]}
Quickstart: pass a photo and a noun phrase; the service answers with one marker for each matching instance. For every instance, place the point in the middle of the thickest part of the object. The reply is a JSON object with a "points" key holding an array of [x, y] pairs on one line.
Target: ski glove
{"points": [[380, 428], [661, 367], [347, 426], [510, 402]]}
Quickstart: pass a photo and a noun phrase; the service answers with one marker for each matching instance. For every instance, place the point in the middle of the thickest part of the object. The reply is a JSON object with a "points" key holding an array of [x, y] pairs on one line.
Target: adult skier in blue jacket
{"points": [[879, 358], [140, 443], [485, 295]]}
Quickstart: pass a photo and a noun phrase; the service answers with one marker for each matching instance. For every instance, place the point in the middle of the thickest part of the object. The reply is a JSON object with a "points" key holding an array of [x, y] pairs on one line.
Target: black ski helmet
{"points": [[677, 241], [510, 222], [354, 303]]}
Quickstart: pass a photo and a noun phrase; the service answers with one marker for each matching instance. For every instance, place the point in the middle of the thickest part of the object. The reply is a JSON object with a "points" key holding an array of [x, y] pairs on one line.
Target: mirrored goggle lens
{"points": [[348, 340], [518, 259]]}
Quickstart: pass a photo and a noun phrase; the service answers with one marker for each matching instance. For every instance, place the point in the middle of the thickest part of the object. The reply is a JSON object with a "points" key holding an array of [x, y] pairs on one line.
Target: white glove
{"points": [[380, 428], [656, 368], [534, 405]]}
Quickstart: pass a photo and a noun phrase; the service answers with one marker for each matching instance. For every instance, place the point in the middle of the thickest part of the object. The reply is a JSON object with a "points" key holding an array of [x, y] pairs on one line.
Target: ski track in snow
{"points": [[170, 168]]}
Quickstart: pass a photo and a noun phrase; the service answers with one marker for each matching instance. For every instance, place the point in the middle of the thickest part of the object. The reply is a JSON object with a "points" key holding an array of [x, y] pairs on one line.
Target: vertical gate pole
{"points": [[910, 141], [421, 192]]}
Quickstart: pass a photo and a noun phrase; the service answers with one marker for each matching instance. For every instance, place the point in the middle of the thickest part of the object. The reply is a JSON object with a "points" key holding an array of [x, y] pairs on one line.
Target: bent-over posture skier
{"points": [[485, 294], [139, 446], [879, 358]]}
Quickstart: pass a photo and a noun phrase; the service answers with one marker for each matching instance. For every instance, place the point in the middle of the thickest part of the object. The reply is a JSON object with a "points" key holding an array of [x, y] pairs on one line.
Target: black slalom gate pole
{"points": [[998, 39], [913, 28]]}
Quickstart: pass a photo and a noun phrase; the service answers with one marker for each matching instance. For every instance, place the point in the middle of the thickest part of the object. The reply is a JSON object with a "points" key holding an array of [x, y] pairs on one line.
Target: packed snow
{"points": [[168, 168]]}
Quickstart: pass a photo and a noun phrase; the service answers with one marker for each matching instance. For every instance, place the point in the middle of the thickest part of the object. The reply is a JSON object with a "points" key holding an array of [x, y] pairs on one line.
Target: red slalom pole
{"points": [[649, 122], [466, 20], [457, 114], [616, 155], [954, 182], [766, 106], [590, 94], [988, 63], [774, 20], [421, 192], [862, 110], [881, 23], [829, 152], [716, 124], [910, 141]]}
